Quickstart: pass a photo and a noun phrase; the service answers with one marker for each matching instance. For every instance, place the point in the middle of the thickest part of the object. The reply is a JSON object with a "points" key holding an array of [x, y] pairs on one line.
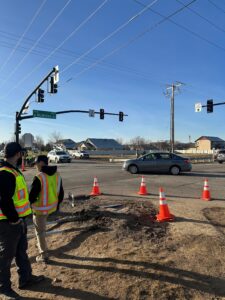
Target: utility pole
{"points": [[170, 92]]}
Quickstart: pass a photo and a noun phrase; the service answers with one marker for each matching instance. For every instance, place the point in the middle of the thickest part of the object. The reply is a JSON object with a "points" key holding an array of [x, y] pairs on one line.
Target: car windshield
{"points": [[61, 153]]}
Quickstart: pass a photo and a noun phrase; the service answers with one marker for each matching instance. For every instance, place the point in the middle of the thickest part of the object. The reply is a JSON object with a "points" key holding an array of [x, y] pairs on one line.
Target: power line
{"points": [[217, 6], [202, 17], [94, 47], [61, 44], [68, 52], [110, 35], [185, 28], [131, 40], [37, 41], [24, 33], [124, 69]]}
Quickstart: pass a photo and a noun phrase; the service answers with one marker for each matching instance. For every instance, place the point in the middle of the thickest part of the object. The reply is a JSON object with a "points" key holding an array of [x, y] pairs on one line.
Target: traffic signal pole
{"points": [[19, 114]]}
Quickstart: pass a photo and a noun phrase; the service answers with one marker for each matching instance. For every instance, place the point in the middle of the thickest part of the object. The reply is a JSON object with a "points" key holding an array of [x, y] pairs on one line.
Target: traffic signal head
{"points": [[18, 127], [102, 112], [209, 106], [121, 116], [40, 96], [53, 86]]}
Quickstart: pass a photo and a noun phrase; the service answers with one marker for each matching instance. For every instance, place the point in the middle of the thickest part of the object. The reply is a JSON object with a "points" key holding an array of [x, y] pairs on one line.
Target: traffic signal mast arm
{"points": [[18, 116], [74, 111]]}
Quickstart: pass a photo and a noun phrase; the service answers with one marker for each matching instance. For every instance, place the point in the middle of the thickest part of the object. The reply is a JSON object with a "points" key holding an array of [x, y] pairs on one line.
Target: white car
{"points": [[58, 156], [80, 154], [2, 153]]}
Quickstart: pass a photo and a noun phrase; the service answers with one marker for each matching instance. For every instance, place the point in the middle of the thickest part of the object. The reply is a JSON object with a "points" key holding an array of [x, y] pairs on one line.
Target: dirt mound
{"points": [[104, 248], [130, 219]]}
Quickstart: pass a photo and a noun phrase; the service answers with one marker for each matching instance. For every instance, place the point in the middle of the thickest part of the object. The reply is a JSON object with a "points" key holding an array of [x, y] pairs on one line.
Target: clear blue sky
{"points": [[131, 80]]}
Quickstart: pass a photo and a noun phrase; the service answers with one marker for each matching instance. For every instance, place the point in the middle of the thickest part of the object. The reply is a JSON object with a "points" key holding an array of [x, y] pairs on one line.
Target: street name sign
{"points": [[44, 114]]}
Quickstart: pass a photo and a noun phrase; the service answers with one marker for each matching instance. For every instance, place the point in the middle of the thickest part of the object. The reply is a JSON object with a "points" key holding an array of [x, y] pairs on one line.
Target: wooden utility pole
{"points": [[170, 92]]}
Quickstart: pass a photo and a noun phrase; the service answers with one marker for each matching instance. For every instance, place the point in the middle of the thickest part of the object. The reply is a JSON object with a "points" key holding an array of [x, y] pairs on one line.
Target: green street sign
{"points": [[44, 114]]}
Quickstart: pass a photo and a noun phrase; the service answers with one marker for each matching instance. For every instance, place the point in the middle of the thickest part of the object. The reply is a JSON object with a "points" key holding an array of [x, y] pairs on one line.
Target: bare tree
{"points": [[54, 137], [39, 141], [138, 143]]}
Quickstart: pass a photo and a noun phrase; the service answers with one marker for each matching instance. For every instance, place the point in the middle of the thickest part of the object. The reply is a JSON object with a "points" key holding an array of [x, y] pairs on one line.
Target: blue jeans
{"points": [[13, 244]]}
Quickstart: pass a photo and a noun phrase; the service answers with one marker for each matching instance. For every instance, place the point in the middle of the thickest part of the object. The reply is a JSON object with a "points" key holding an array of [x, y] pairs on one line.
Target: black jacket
{"points": [[36, 185], [7, 189]]}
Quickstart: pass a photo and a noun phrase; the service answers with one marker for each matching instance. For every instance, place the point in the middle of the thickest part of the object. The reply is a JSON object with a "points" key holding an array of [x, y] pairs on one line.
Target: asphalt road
{"points": [[78, 178]]}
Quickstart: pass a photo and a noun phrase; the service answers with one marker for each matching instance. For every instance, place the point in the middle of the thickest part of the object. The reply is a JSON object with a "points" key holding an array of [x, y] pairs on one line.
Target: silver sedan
{"points": [[158, 162]]}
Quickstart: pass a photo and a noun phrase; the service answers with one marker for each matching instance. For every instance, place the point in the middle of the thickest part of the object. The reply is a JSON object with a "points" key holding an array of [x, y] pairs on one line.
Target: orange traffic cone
{"points": [[143, 189], [164, 213], [206, 193], [23, 165], [95, 189]]}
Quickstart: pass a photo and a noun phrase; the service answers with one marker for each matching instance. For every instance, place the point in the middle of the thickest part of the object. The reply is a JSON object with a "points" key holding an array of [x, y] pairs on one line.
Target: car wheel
{"points": [[133, 169], [174, 170], [220, 162]]}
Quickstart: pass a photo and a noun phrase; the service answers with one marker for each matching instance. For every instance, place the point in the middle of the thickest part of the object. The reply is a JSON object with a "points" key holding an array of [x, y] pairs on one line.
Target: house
{"points": [[84, 146], [66, 144], [103, 144], [209, 142]]}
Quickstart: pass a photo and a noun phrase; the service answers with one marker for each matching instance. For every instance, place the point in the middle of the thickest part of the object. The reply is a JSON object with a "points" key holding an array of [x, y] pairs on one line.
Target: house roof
{"points": [[104, 143], [68, 143], [65, 141], [210, 138]]}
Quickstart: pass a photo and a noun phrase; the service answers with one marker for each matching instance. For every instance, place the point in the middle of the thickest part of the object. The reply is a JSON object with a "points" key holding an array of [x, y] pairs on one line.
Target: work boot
{"points": [[9, 294], [31, 281]]}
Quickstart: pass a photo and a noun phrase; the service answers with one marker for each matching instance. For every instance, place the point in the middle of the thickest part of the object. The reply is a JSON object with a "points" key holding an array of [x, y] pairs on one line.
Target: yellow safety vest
{"points": [[20, 197], [48, 198]]}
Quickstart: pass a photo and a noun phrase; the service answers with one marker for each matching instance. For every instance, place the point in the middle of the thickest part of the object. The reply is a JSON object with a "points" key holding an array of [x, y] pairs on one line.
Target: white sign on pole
{"points": [[56, 74], [198, 107], [91, 113]]}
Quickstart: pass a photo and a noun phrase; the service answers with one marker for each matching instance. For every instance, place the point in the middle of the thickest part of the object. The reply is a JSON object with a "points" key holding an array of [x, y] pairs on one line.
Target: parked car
{"points": [[220, 156], [158, 162], [80, 154], [58, 156], [2, 153]]}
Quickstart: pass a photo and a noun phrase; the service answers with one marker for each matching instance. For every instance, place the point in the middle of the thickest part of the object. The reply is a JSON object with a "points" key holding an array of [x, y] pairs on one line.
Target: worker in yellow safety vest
{"points": [[14, 208], [45, 196]]}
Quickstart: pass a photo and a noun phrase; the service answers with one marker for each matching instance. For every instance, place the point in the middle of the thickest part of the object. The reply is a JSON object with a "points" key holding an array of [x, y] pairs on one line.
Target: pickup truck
{"points": [[80, 154]]}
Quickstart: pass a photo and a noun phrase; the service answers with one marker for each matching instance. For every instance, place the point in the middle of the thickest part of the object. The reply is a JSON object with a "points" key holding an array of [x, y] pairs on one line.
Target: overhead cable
{"points": [[217, 6], [22, 36], [37, 41], [110, 35], [152, 27], [185, 28], [202, 17], [62, 43]]}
